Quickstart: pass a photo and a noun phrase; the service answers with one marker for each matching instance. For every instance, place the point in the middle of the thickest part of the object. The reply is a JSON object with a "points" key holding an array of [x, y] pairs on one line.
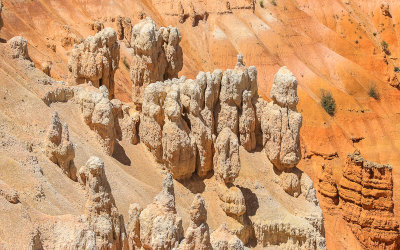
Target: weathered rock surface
{"points": [[46, 68], [95, 60], [281, 122], [19, 47], [124, 28], [197, 235], [179, 153], [160, 226], [101, 213], [224, 240], [10, 194], [157, 56], [98, 114], [133, 227], [59, 148], [366, 198], [194, 116]]}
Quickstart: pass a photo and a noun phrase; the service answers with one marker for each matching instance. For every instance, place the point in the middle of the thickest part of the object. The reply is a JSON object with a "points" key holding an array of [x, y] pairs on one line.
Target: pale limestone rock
{"points": [[160, 226], [197, 235], [152, 118], [95, 60], [157, 56], [19, 47], [226, 158], [247, 123], [232, 200], [179, 153], [133, 227], [281, 122], [59, 149], [98, 114], [222, 239], [284, 89], [126, 122], [101, 213]]}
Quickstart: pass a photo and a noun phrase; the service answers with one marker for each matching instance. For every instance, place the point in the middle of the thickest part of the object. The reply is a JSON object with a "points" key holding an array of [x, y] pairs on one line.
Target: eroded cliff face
{"points": [[364, 198]]}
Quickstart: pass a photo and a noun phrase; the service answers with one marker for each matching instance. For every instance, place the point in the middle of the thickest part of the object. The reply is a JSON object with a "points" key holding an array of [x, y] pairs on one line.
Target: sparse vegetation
{"points": [[374, 33], [356, 41], [262, 4], [328, 102], [397, 69], [385, 45], [373, 92], [125, 63], [273, 2]]}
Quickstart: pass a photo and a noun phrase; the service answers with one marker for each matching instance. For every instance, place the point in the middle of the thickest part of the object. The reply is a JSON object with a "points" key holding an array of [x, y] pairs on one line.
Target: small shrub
{"points": [[385, 45], [125, 63], [262, 4], [356, 41], [273, 2], [374, 33], [373, 92], [397, 69], [328, 103]]}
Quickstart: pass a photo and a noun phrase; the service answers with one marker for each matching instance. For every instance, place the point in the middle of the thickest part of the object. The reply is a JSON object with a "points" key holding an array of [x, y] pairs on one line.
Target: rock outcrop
{"points": [[59, 148], [46, 68], [281, 122], [10, 194], [124, 28], [98, 114], [197, 235], [192, 104], [160, 226], [95, 60], [179, 153], [157, 56], [366, 199], [19, 47], [224, 240], [101, 213], [133, 227]]}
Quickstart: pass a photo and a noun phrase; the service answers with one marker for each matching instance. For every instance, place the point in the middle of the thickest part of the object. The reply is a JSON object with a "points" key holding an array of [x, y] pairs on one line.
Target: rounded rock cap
{"points": [[284, 88]]}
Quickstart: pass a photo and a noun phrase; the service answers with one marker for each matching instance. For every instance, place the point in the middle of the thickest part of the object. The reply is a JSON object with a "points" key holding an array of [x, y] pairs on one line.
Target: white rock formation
{"points": [[98, 114], [101, 213], [157, 56], [201, 108], [197, 235], [133, 227], [95, 60], [160, 226], [19, 47], [59, 149], [222, 239], [281, 122]]}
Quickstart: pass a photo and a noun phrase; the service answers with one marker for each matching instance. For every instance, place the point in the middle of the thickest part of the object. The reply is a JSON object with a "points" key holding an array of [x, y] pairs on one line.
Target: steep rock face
{"points": [[223, 239], [179, 153], [133, 227], [95, 60], [194, 112], [366, 199], [124, 28], [160, 226], [98, 114], [59, 148], [19, 47], [197, 235], [157, 56], [126, 122], [281, 124], [101, 212]]}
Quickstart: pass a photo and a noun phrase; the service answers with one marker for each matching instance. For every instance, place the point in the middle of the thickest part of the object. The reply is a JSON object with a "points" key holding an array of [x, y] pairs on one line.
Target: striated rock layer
{"points": [[366, 198]]}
